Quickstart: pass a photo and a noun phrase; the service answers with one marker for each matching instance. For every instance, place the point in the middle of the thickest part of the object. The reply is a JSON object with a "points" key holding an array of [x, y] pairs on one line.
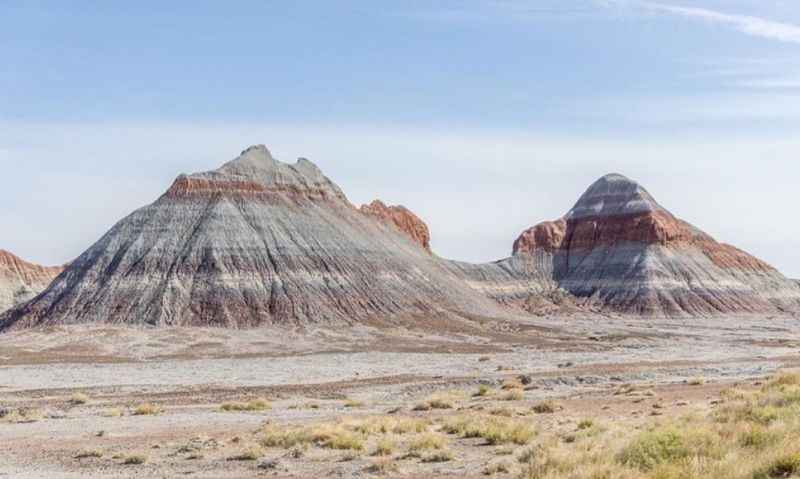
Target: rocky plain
{"points": [[251, 322]]}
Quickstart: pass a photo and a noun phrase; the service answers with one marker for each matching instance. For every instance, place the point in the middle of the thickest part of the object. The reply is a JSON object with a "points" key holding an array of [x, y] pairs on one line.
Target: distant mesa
{"points": [[20, 280], [261, 242]]}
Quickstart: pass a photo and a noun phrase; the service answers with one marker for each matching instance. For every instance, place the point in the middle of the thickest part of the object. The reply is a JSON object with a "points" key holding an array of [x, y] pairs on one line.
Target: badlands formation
{"points": [[261, 242], [21, 280]]}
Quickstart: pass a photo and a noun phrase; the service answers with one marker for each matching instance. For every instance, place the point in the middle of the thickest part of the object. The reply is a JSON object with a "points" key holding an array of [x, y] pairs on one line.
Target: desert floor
{"points": [[102, 402]]}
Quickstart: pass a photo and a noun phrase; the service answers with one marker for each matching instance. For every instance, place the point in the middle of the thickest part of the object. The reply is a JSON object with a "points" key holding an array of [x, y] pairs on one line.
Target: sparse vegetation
{"points": [[513, 383], [23, 415], [252, 405], [252, 453], [383, 465], [585, 424], [545, 407], [384, 447], [497, 468], [147, 409], [495, 430], [483, 390], [427, 441], [78, 399], [439, 401], [439, 456], [513, 395], [89, 453], [134, 459]]}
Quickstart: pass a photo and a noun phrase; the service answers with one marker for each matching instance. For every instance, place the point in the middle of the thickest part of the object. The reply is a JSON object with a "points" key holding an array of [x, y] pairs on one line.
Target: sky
{"points": [[483, 117]]}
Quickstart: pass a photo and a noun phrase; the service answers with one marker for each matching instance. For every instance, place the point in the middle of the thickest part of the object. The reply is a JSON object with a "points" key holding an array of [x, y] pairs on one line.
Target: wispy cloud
{"points": [[750, 25]]}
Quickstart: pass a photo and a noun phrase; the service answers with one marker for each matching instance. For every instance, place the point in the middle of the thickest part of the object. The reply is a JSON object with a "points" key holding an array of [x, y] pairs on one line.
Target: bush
{"points": [[427, 441], [384, 447], [250, 454], [86, 453], [545, 407], [78, 398], [252, 405], [483, 390], [653, 448], [513, 395], [441, 456], [134, 459], [787, 465], [147, 409]]}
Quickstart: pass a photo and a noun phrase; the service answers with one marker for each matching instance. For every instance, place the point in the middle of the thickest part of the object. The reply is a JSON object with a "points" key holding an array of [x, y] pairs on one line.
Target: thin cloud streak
{"points": [[754, 26]]}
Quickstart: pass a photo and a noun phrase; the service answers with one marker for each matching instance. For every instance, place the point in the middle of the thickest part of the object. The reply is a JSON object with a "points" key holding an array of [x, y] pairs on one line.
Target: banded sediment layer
{"points": [[20, 280], [625, 252], [262, 242]]}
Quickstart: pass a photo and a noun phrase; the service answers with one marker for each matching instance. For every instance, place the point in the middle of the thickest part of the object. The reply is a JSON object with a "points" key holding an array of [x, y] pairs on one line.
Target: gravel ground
{"points": [[190, 372]]}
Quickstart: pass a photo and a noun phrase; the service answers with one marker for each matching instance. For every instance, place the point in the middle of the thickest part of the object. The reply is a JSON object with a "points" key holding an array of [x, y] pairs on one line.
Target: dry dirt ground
{"points": [[73, 391]]}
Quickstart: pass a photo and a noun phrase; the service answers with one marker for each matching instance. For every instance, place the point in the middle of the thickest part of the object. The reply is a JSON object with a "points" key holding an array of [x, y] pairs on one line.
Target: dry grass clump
{"points": [[147, 409], [134, 459], [384, 447], [330, 436], [545, 407], [495, 430], [353, 403], [389, 424], [513, 395], [89, 453], [512, 383], [483, 390], [427, 441], [585, 424], [446, 400], [78, 399], [785, 465], [112, 412], [439, 456], [383, 465], [252, 453], [696, 382], [259, 404], [497, 468], [23, 415]]}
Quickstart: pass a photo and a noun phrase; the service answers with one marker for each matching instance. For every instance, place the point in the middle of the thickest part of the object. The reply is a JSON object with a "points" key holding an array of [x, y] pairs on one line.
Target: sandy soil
{"points": [[308, 375]]}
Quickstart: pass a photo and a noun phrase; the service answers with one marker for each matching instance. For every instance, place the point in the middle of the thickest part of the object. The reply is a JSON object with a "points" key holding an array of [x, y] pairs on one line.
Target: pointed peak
{"points": [[611, 195]]}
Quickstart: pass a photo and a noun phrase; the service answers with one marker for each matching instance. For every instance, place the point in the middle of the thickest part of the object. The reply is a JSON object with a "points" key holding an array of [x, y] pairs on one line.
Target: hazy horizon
{"points": [[482, 117]]}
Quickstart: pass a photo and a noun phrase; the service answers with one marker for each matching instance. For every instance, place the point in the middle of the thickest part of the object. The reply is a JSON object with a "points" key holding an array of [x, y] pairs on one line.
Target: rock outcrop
{"points": [[261, 242], [21, 280], [254, 242], [621, 249], [401, 218]]}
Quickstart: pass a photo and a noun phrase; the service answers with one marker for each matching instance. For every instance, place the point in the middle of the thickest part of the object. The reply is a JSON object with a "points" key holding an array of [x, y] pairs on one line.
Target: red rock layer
{"points": [[187, 187], [403, 219], [21, 280], [547, 236], [29, 273], [656, 227]]}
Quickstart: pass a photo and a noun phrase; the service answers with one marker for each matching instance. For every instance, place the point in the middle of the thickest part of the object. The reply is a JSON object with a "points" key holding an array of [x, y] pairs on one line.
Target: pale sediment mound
{"points": [[621, 249], [21, 280]]}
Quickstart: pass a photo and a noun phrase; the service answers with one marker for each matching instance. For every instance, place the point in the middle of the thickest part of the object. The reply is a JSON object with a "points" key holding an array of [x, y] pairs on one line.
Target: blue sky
{"points": [[484, 117]]}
